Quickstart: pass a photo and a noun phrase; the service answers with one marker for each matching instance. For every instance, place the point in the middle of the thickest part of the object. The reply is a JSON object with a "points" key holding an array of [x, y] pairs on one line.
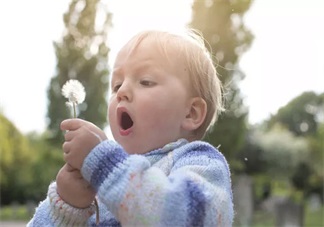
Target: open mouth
{"points": [[126, 121]]}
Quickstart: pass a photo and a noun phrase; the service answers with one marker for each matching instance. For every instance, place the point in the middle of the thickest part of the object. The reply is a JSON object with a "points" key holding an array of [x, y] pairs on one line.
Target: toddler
{"points": [[156, 171]]}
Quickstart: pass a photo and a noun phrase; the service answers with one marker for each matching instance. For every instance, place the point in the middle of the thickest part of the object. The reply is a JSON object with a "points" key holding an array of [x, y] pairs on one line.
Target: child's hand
{"points": [[81, 137], [73, 189]]}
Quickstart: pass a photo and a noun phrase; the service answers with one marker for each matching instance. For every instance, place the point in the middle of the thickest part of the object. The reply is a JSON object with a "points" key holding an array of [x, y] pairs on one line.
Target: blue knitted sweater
{"points": [[181, 184]]}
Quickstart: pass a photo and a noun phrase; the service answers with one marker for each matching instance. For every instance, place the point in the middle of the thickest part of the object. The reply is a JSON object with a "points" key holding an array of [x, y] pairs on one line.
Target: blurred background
{"points": [[269, 57]]}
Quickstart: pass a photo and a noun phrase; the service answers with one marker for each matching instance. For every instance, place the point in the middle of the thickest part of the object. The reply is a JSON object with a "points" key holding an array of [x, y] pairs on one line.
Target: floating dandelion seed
{"points": [[74, 91]]}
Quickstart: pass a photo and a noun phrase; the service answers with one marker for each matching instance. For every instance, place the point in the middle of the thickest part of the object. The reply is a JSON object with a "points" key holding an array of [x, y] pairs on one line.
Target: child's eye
{"points": [[116, 87], [147, 83]]}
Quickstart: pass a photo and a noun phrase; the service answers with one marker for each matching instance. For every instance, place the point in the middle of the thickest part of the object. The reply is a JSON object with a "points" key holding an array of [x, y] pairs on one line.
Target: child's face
{"points": [[150, 98]]}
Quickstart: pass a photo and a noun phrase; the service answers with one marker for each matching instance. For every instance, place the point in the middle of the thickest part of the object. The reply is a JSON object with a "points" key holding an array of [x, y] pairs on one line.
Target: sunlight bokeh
{"points": [[283, 61]]}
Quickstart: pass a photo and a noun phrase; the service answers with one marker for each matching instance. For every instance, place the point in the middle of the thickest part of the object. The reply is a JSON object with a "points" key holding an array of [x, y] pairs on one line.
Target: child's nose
{"points": [[124, 93]]}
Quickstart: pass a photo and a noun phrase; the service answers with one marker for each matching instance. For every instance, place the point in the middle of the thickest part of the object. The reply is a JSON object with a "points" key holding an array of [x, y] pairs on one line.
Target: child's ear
{"points": [[196, 115]]}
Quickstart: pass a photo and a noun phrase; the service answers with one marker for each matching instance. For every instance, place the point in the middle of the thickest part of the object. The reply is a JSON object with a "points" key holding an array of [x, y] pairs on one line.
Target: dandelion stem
{"points": [[74, 91], [74, 110], [97, 211]]}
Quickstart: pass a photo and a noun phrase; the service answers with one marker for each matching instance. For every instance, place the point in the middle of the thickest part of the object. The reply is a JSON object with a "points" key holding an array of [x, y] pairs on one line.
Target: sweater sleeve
{"points": [[196, 192], [53, 211]]}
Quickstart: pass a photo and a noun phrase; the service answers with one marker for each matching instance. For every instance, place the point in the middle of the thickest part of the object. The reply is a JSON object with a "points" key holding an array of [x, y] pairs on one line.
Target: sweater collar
{"points": [[167, 148]]}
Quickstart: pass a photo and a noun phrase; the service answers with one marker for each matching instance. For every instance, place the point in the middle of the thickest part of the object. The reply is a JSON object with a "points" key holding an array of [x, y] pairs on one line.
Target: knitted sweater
{"points": [[181, 184]]}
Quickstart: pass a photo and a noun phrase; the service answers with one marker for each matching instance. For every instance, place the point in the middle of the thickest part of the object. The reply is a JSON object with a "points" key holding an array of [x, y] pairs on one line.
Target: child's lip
{"points": [[124, 132]]}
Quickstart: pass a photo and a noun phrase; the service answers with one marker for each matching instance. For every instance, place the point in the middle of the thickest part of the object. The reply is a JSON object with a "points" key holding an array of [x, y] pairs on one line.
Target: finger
{"points": [[71, 124], [66, 159], [73, 172], [69, 135], [66, 147]]}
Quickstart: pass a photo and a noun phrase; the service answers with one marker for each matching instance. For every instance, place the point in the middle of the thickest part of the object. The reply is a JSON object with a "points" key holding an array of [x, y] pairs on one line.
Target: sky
{"points": [[285, 59]]}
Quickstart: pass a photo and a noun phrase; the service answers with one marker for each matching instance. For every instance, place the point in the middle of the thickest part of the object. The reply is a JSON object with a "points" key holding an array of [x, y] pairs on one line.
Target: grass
{"points": [[19, 213], [265, 219], [262, 219], [314, 218], [311, 218]]}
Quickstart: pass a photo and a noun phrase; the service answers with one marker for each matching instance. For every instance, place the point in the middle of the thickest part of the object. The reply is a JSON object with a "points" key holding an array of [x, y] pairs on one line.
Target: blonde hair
{"points": [[190, 46]]}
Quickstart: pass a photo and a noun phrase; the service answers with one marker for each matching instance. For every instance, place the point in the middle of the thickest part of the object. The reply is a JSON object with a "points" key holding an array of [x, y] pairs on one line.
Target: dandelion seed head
{"points": [[74, 91]]}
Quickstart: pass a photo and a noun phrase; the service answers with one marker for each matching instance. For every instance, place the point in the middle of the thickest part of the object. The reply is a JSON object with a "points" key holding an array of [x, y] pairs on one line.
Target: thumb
{"points": [[71, 124]]}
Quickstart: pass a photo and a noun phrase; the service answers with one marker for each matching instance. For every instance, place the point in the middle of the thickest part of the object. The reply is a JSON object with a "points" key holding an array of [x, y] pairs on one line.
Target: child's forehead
{"points": [[150, 54], [149, 47], [166, 46]]}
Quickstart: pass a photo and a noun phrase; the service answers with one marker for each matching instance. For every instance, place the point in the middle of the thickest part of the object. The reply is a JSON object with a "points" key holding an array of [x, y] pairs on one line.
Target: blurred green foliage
{"points": [[47, 163], [222, 25], [16, 159], [27, 164], [82, 54], [19, 213], [283, 154], [302, 115], [289, 146]]}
